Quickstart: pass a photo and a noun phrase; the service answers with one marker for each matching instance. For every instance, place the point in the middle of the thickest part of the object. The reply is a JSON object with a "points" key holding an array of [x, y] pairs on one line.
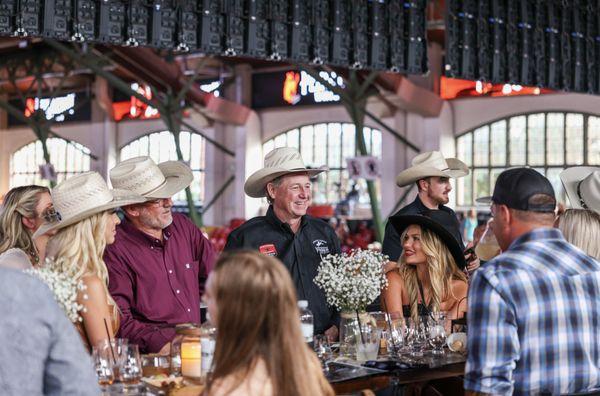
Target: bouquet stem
{"points": [[362, 337]]}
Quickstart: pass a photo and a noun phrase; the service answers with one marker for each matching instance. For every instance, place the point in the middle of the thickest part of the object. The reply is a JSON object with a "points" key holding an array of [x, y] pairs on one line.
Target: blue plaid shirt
{"points": [[534, 319]]}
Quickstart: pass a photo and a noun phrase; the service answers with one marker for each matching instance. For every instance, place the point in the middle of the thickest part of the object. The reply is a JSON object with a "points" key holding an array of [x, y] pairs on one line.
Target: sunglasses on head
{"points": [[50, 215]]}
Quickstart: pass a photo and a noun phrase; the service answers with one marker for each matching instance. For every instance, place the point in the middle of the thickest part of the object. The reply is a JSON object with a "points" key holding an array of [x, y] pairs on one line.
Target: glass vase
{"points": [[350, 331]]}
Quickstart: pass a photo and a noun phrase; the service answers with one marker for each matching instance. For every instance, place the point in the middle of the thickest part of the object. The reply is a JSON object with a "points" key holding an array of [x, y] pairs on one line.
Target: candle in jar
{"points": [[191, 359]]}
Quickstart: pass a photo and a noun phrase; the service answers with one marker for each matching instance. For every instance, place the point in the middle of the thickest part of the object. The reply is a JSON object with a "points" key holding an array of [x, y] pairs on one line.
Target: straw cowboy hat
{"points": [[431, 163], [278, 162], [82, 196], [582, 184], [142, 176]]}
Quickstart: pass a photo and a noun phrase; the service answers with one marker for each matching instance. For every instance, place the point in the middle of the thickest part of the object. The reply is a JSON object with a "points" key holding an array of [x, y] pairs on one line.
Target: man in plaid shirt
{"points": [[534, 311]]}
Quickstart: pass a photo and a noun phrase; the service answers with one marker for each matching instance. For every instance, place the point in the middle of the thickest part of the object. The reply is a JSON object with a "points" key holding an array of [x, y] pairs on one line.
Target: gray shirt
{"points": [[40, 350]]}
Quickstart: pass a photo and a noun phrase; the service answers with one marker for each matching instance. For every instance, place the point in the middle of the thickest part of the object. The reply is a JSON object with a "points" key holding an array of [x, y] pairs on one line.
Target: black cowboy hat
{"points": [[442, 224]]}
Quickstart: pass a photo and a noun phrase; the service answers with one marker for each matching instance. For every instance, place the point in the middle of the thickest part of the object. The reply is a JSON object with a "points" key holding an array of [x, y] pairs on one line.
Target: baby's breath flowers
{"points": [[352, 281], [64, 287]]}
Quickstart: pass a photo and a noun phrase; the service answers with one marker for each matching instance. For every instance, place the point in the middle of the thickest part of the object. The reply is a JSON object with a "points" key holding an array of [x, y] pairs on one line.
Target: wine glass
{"points": [[395, 333], [416, 337], [322, 348], [437, 338]]}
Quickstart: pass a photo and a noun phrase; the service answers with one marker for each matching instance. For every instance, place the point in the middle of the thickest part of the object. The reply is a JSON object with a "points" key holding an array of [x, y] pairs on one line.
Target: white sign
{"points": [[365, 167], [309, 85], [55, 107]]}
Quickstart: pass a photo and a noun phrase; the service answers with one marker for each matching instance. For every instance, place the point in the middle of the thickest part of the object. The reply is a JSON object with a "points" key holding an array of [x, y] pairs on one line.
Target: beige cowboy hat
{"points": [[82, 196], [582, 184], [278, 162], [142, 176], [431, 163]]}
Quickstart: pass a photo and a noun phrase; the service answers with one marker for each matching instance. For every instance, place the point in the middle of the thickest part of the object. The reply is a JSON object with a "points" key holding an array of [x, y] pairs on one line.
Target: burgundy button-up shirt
{"points": [[158, 284]]}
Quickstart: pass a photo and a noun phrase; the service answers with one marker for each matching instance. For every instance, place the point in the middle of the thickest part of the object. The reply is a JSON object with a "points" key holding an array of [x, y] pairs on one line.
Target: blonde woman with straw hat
{"points": [[85, 224]]}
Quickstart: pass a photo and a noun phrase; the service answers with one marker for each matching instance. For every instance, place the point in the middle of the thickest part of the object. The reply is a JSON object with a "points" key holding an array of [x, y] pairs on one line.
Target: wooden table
{"points": [[417, 377]]}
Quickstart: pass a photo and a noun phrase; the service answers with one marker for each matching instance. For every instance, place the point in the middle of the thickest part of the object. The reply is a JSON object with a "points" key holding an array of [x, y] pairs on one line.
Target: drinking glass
{"points": [[104, 366], [416, 336], [487, 248], [322, 349], [394, 333], [114, 347], [155, 364], [130, 370], [367, 343], [437, 338], [381, 321]]}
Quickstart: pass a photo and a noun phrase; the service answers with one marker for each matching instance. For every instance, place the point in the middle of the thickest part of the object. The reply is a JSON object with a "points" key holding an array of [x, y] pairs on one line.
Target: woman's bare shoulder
{"points": [[257, 382], [460, 288], [94, 291], [93, 283]]}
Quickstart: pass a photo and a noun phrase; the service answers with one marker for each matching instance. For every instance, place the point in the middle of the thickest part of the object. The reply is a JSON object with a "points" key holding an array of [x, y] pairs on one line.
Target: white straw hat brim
{"points": [[120, 198], [456, 169], [177, 177], [256, 183], [570, 178]]}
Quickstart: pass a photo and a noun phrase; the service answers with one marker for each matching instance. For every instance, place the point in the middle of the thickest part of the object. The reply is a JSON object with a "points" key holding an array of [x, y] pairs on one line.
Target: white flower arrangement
{"points": [[352, 281], [64, 287]]}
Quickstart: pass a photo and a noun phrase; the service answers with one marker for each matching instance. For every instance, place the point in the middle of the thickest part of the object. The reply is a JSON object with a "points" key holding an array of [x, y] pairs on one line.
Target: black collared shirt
{"points": [[300, 252], [392, 246]]}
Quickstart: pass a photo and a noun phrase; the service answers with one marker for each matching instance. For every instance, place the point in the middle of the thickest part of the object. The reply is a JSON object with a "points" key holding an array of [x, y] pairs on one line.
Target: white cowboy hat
{"points": [[278, 162], [582, 184], [82, 196], [142, 176], [431, 163]]}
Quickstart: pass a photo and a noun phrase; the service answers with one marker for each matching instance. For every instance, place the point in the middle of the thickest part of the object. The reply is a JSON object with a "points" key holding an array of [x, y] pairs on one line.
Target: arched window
{"points": [[330, 144], [548, 142], [160, 146], [68, 159]]}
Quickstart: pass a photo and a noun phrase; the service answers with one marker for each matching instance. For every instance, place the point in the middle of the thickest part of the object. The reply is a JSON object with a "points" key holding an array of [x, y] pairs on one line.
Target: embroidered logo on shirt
{"points": [[268, 249], [321, 246]]}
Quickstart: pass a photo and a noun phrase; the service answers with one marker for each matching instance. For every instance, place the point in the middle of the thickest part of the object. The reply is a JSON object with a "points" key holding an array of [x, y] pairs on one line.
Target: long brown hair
{"points": [[441, 267], [258, 319], [18, 203]]}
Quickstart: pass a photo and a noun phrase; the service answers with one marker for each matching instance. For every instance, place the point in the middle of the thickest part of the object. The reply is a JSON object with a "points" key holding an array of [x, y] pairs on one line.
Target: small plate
{"points": [[457, 342]]}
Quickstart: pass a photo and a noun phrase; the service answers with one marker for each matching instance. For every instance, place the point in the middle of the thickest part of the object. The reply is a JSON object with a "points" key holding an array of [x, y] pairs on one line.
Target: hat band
{"points": [[161, 185], [581, 201]]}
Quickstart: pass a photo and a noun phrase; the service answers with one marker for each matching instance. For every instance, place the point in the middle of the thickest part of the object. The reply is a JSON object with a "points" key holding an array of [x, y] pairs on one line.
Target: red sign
{"points": [[135, 108]]}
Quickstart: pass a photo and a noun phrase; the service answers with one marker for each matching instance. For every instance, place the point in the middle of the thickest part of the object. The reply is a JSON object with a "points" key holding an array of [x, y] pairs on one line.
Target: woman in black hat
{"points": [[429, 277]]}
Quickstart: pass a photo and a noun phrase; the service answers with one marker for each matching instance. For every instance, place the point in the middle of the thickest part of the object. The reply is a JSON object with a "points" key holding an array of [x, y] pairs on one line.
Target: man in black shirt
{"points": [[431, 172], [286, 232]]}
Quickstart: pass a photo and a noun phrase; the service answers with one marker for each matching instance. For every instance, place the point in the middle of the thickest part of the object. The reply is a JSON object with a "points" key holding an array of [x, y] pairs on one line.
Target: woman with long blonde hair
{"points": [[23, 211], [88, 223], [581, 227], [430, 276], [260, 349]]}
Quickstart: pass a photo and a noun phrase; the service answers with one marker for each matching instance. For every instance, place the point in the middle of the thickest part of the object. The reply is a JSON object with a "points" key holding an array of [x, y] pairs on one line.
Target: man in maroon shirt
{"points": [[160, 260]]}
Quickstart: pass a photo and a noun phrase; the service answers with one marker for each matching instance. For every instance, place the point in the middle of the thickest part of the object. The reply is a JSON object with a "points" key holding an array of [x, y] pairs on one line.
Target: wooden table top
{"points": [[436, 368]]}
